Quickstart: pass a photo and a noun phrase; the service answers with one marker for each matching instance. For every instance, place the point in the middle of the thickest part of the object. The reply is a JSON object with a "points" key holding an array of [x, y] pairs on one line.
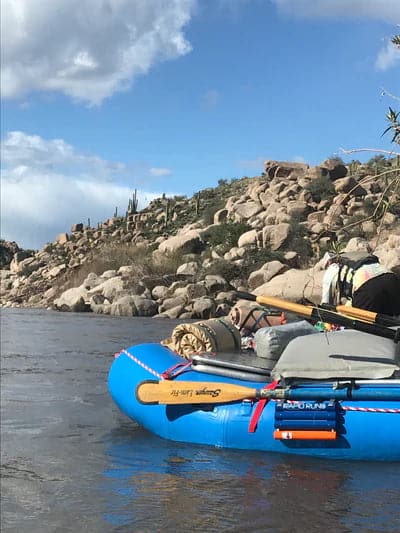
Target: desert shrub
{"points": [[321, 189], [214, 198], [255, 257], [113, 256], [298, 241], [226, 269], [354, 226], [227, 234], [252, 260], [210, 209], [395, 208], [377, 163]]}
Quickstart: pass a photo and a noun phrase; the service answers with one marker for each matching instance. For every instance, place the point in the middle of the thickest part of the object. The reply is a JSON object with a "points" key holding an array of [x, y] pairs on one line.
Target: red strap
{"points": [[260, 406], [175, 370]]}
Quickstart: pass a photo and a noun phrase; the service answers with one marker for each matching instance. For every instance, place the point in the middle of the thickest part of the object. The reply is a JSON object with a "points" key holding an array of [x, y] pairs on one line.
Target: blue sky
{"points": [[102, 97]]}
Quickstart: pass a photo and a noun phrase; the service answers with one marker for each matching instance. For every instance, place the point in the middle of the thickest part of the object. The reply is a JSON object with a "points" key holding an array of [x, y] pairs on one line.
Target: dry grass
{"points": [[114, 256]]}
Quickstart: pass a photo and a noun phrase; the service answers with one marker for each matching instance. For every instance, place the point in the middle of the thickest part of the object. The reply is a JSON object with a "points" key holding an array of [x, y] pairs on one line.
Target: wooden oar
{"points": [[362, 314], [356, 312], [189, 392], [317, 313]]}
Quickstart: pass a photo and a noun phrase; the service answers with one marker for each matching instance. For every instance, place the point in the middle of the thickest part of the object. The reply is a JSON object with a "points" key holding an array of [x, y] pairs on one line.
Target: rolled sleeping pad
{"points": [[214, 335]]}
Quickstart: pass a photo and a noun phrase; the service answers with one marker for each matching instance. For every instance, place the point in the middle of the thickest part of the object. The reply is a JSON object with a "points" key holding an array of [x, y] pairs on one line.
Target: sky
{"points": [[100, 98]]}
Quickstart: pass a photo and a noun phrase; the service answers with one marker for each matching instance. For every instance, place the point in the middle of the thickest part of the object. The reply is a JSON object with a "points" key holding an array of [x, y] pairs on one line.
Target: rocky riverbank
{"points": [[184, 257]]}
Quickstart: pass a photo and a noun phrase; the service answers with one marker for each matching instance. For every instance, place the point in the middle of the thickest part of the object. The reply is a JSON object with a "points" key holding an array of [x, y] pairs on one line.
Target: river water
{"points": [[72, 462]]}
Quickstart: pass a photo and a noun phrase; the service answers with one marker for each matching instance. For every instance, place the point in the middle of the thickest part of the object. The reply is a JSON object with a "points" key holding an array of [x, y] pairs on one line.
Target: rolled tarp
{"points": [[214, 335], [248, 318]]}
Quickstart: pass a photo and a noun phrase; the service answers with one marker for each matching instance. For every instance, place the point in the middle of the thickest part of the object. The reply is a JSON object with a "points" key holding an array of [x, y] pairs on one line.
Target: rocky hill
{"points": [[183, 257]]}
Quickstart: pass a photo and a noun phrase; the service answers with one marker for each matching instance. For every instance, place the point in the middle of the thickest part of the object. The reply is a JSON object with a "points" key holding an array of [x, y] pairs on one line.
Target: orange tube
{"points": [[304, 435]]}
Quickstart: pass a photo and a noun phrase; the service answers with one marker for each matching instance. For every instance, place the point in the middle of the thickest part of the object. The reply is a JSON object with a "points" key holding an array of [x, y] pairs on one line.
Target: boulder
{"points": [[275, 236], [246, 210], [203, 307], [124, 306], [349, 185], [335, 168], [220, 216], [294, 285], [188, 269], [62, 238], [26, 266], [170, 303], [284, 169], [249, 238], [77, 228], [265, 273], [73, 300], [192, 290], [215, 283], [8, 249], [173, 312], [108, 288], [145, 306], [297, 208], [159, 292], [55, 271], [190, 242]]}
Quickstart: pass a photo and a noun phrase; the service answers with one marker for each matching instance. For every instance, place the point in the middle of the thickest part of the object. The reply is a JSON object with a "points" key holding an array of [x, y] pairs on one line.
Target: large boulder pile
{"points": [[286, 219]]}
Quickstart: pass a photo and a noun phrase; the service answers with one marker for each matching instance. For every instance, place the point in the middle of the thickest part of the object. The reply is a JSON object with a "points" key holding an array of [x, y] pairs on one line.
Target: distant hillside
{"points": [[286, 217]]}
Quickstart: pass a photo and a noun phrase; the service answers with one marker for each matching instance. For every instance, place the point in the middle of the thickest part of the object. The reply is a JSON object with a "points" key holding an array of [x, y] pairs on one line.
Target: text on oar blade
{"points": [[204, 391]]}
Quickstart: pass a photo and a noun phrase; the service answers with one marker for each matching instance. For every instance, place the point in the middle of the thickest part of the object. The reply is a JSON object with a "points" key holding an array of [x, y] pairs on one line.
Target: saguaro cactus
{"points": [[197, 199], [134, 202], [167, 211]]}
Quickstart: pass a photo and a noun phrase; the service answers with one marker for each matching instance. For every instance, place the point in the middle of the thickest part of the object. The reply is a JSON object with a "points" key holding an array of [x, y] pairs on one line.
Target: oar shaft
{"points": [[377, 318], [292, 307], [317, 313], [363, 314], [349, 322], [191, 392], [326, 393]]}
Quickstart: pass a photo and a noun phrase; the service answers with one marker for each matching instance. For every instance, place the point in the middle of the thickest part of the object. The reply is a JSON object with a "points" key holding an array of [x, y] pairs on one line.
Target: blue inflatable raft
{"points": [[332, 397]]}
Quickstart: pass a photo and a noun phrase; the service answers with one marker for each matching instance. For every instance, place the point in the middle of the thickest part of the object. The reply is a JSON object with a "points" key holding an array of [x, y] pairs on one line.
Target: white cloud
{"points": [[388, 56], [87, 49], [255, 164], [158, 172], [47, 185], [387, 10], [299, 159]]}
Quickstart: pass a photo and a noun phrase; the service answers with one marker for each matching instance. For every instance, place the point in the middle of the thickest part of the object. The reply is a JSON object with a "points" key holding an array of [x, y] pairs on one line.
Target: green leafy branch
{"points": [[392, 115], [394, 118]]}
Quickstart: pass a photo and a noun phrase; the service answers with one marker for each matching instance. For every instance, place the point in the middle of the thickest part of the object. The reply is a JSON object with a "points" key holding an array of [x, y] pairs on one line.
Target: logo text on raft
{"points": [[312, 406]]}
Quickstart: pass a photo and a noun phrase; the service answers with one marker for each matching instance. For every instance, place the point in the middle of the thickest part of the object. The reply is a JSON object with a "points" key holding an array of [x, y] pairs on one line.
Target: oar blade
{"points": [[188, 392]]}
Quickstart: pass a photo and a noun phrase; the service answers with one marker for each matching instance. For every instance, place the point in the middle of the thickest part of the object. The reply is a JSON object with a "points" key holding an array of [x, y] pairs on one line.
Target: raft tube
{"points": [[348, 429]]}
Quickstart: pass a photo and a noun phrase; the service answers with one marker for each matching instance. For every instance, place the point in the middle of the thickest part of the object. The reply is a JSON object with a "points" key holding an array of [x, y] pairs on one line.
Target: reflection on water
{"points": [[154, 485], [72, 462]]}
